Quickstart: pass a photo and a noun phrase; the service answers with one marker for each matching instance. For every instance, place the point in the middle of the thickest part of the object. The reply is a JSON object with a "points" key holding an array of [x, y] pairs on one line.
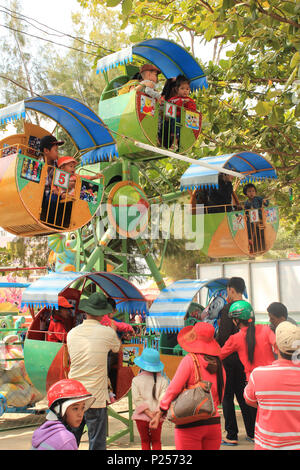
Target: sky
{"points": [[54, 13]]}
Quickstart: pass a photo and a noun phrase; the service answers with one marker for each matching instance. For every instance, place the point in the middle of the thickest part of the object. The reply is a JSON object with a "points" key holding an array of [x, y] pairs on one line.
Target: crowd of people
{"points": [[256, 366]]}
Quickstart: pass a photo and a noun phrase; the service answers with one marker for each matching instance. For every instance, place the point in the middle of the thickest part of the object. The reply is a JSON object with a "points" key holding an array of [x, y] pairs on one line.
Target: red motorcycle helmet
{"points": [[68, 389]]}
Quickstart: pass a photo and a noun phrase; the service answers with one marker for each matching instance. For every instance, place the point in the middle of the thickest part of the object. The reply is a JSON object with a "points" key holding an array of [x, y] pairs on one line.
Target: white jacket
{"points": [[141, 387]]}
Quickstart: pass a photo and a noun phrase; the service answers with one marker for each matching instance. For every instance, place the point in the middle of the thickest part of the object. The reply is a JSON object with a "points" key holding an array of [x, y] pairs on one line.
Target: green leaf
{"points": [[126, 7], [277, 115], [210, 33], [112, 3], [263, 108], [295, 60]]}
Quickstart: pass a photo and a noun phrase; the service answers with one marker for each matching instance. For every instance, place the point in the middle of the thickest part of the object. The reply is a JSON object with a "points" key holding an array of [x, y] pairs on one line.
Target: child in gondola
{"points": [[255, 228], [68, 164], [61, 321], [181, 99]]}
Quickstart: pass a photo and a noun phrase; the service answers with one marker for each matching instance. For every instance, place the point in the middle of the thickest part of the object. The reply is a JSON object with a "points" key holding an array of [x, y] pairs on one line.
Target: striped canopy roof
{"points": [[168, 56], [253, 166], [168, 311], [45, 291], [87, 131]]}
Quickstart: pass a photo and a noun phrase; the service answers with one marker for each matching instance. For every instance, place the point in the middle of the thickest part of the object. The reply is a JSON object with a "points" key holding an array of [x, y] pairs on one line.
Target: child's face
{"points": [[69, 167], [52, 154], [184, 90], [74, 414], [251, 193]]}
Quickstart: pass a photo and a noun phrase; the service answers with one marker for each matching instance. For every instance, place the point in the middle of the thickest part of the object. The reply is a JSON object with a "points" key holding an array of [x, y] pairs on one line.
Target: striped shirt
{"points": [[276, 391]]}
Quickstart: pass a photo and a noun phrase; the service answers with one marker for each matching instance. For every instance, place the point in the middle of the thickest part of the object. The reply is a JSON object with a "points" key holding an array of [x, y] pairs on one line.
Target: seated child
{"points": [[253, 201], [61, 322], [68, 164], [181, 99], [67, 401], [255, 229]]}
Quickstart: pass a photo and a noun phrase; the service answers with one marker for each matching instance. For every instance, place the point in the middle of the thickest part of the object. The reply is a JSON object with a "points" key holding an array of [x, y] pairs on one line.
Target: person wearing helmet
{"points": [[235, 373], [67, 399], [253, 343]]}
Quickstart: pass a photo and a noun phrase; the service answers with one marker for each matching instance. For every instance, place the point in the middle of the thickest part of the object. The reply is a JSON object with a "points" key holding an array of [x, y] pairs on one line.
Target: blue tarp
{"points": [[44, 292], [88, 132], [168, 56], [168, 310], [253, 166]]}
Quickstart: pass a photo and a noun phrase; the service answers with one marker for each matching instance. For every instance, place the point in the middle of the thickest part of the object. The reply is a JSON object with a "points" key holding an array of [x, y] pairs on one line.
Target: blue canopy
{"points": [[44, 292], [12, 285], [169, 309], [88, 132], [168, 56], [252, 165]]}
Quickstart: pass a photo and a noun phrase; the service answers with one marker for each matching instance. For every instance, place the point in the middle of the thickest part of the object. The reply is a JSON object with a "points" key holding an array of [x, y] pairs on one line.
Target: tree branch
{"points": [[277, 17]]}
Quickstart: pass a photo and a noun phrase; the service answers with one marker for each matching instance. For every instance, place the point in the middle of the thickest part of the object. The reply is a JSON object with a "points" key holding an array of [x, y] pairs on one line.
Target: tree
{"points": [[252, 102]]}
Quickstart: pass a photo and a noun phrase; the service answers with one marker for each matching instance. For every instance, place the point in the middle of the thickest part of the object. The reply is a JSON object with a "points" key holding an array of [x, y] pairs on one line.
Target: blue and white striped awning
{"points": [[169, 57], [45, 291], [168, 310], [13, 285], [253, 166]]}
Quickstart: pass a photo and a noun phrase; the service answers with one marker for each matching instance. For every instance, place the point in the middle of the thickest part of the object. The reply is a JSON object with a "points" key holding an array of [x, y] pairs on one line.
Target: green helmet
{"points": [[241, 310]]}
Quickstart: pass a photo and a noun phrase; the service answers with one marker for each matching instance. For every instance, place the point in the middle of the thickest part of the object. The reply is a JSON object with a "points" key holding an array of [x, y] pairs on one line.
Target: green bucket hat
{"points": [[96, 304]]}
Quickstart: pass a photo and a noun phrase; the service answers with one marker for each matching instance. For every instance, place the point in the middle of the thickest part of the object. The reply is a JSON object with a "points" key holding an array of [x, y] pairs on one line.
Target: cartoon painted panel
{"points": [[31, 170], [129, 354]]}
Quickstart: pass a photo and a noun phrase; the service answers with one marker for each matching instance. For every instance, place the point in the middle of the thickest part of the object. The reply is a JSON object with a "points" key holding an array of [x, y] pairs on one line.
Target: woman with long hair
{"points": [[253, 343], [204, 434]]}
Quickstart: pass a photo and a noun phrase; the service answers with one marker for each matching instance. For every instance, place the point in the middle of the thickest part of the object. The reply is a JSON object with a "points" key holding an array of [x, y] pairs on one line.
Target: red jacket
{"points": [[58, 329], [187, 103], [263, 352], [122, 327]]}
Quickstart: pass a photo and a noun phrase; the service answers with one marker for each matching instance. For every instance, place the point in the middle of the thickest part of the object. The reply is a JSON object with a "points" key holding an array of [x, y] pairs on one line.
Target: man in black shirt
{"points": [[235, 374]]}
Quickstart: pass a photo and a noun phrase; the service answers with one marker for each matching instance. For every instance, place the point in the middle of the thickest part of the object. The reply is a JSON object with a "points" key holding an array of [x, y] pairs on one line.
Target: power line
{"points": [[49, 40], [25, 18]]}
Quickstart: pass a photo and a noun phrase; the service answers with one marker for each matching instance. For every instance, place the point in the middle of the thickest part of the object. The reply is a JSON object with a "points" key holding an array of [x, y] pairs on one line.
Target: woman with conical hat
{"points": [[204, 434]]}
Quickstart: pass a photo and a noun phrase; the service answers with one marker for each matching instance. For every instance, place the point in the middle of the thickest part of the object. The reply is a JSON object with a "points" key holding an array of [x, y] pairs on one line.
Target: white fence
{"points": [[266, 281]]}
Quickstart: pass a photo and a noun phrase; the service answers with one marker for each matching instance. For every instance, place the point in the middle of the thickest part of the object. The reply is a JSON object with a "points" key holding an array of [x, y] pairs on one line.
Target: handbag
{"points": [[195, 402]]}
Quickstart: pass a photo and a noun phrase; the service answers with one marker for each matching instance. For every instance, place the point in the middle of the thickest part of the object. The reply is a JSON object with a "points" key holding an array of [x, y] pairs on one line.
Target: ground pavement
{"points": [[20, 438]]}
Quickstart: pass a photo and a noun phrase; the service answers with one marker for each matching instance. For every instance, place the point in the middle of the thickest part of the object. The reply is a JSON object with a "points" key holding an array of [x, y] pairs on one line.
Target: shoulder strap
{"points": [[197, 367]]}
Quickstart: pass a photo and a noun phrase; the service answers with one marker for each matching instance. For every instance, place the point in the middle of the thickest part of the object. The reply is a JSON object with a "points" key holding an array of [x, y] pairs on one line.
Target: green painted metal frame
{"points": [[127, 421]]}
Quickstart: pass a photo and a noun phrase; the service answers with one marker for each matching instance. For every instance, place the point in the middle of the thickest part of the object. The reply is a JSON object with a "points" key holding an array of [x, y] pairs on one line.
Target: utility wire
{"points": [[58, 33], [49, 40]]}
